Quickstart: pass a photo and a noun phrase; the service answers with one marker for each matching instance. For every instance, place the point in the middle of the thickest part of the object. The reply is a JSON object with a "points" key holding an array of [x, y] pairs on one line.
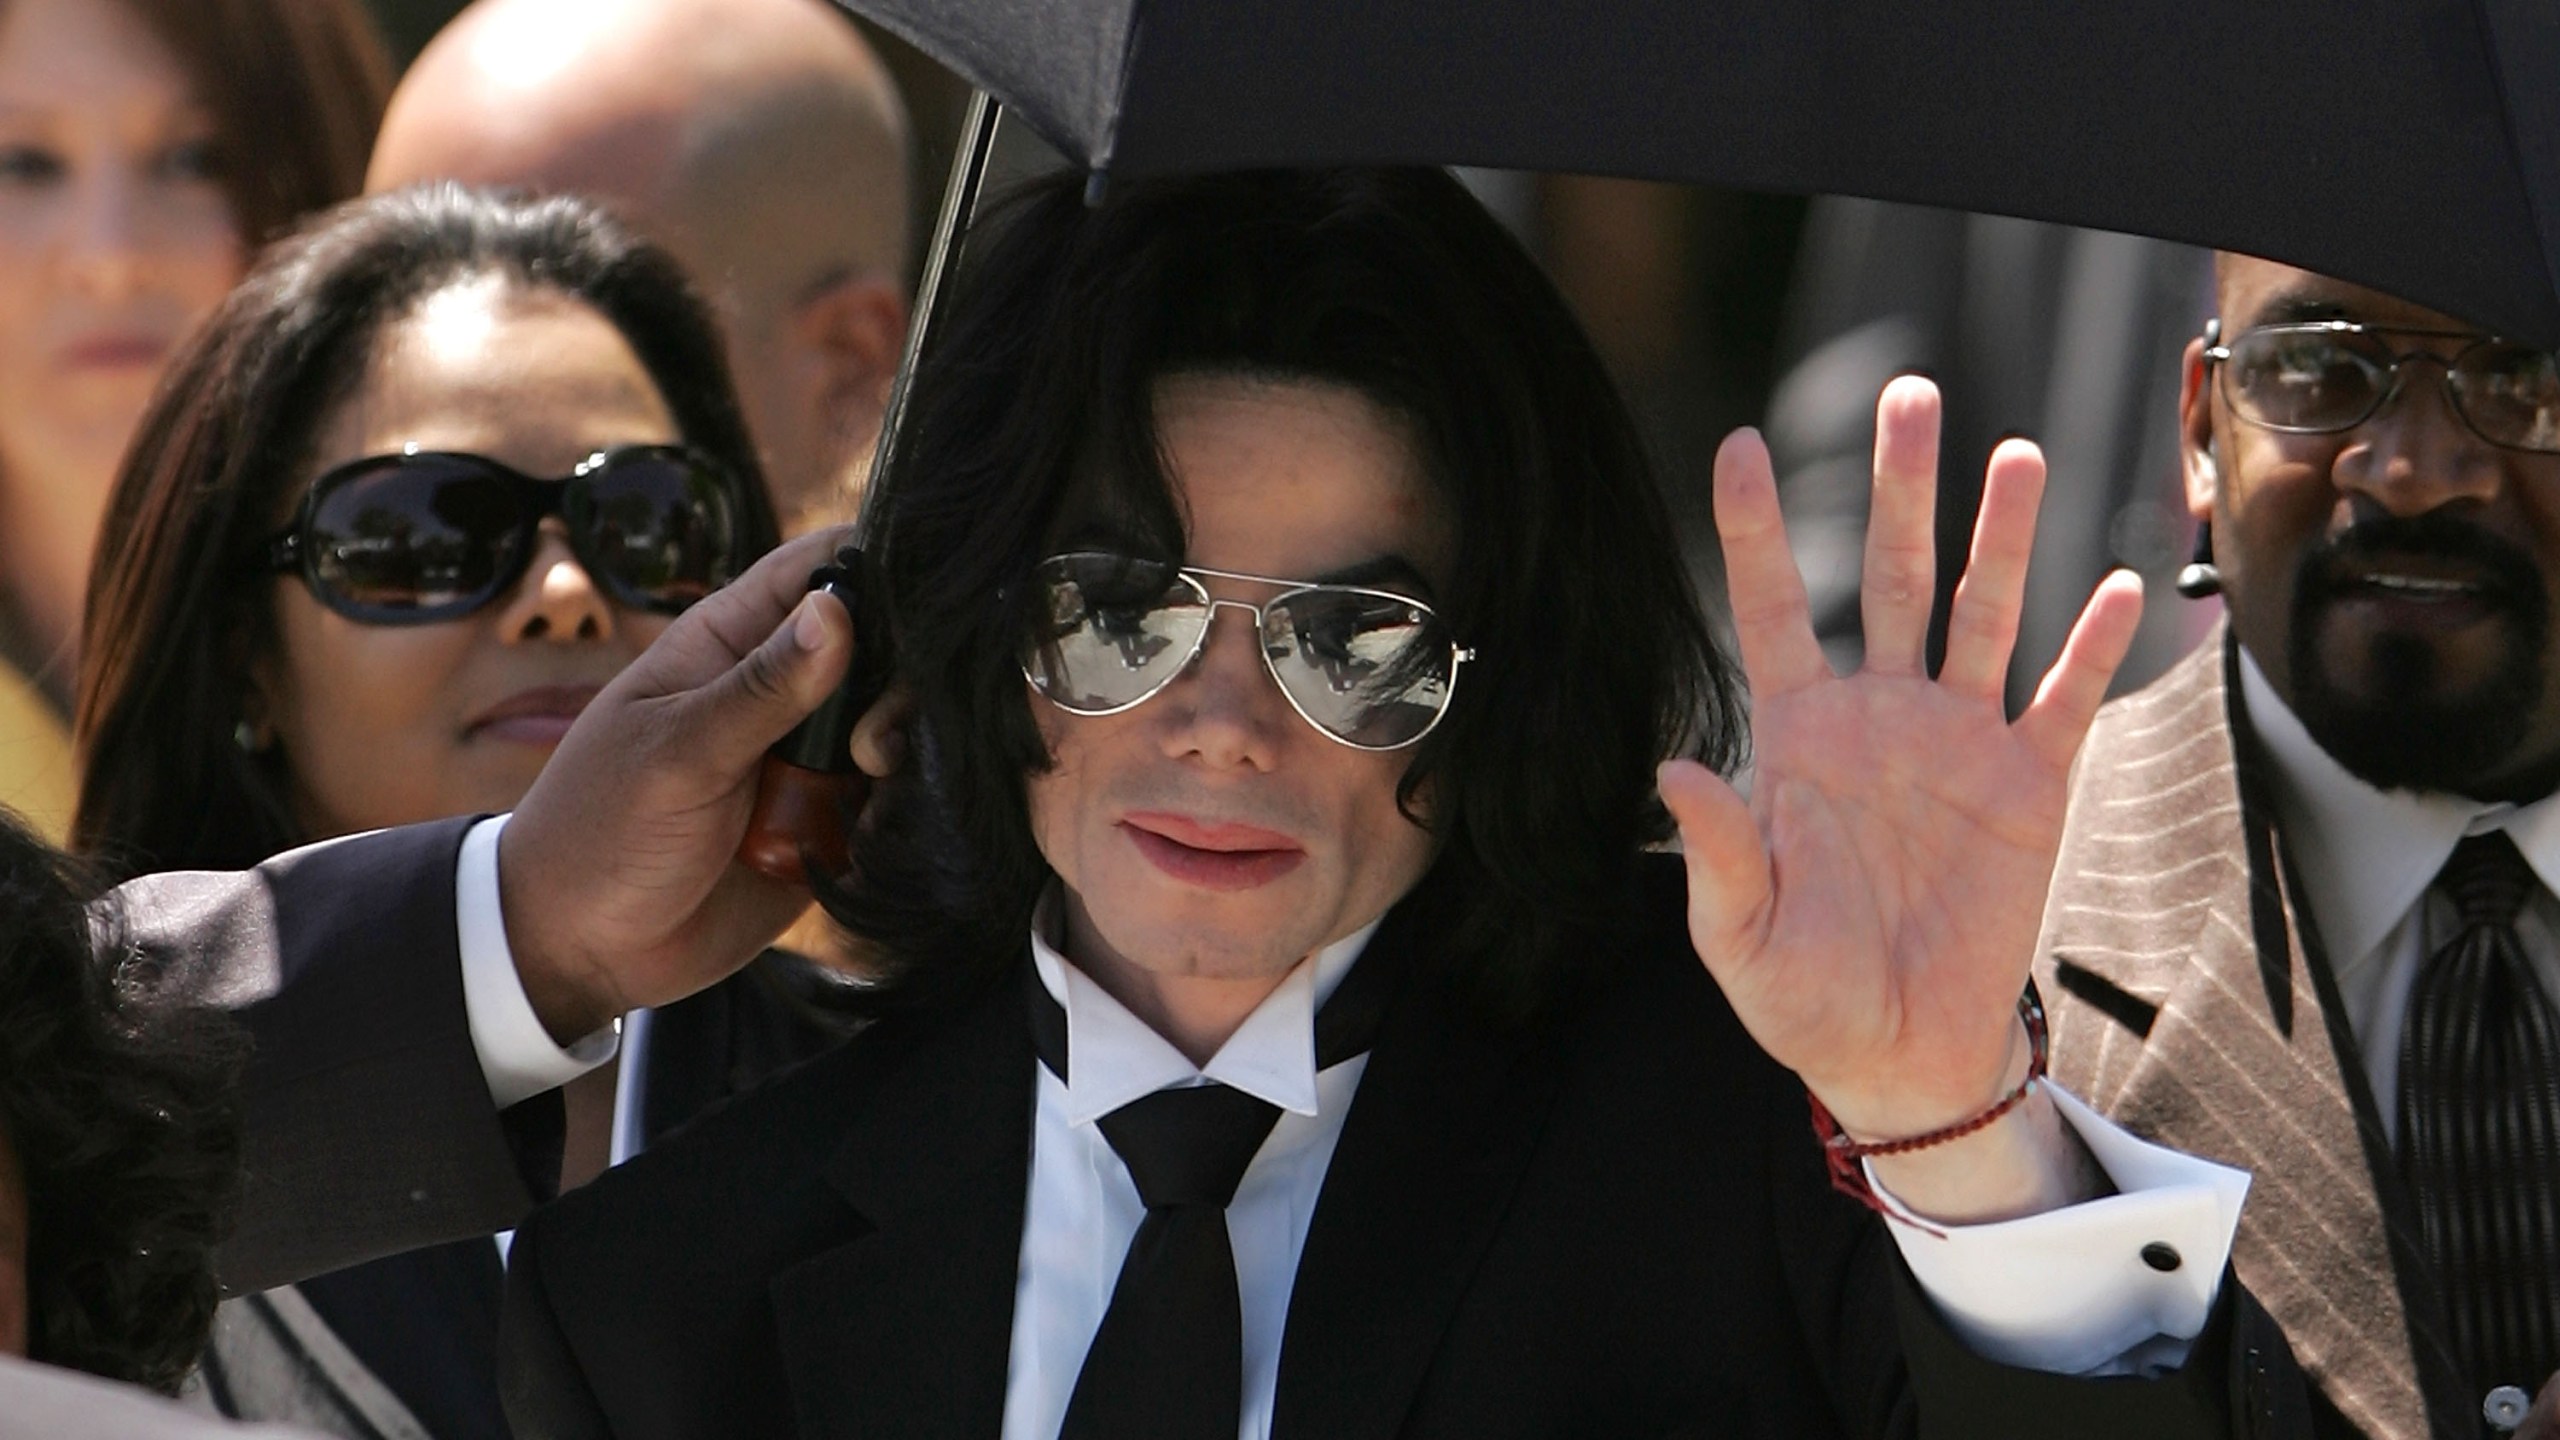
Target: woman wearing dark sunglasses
{"points": [[440, 467]]}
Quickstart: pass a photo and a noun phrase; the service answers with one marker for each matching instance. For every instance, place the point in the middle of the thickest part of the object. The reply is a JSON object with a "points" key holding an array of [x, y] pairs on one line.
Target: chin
{"points": [[2402, 722], [1215, 937]]}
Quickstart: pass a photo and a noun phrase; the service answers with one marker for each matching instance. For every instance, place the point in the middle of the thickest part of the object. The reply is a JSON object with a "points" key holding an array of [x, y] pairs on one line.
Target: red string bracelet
{"points": [[1844, 1156]]}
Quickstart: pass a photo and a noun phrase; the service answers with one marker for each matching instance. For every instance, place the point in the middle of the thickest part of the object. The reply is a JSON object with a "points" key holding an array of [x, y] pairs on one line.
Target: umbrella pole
{"points": [[950, 229], [809, 785]]}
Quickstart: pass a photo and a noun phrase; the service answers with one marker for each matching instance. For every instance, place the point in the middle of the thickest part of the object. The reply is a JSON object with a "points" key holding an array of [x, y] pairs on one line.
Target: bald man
{"points": [[761, 140]]}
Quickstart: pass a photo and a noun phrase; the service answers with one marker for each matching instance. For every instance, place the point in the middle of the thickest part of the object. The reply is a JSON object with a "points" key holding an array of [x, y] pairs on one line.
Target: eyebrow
{"points": [[1379, 571], [2298, 307]]}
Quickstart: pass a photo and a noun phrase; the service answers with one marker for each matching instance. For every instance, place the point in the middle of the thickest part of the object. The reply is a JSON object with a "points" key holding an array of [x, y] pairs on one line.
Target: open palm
{"points": [[1871, 910]]}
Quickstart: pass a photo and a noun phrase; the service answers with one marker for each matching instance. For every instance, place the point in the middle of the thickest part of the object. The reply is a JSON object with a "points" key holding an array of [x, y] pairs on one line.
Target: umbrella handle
{"points": [[808, 788]]}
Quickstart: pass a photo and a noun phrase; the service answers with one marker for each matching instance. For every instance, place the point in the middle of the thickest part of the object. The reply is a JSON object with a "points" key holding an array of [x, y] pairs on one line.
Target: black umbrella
{"points": [[2413, 145]]}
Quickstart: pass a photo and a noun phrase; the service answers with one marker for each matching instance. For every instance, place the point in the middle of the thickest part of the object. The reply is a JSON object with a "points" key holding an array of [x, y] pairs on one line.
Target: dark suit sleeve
{"points": [[540, 1383], [2240, 1381], [370, 1128]]}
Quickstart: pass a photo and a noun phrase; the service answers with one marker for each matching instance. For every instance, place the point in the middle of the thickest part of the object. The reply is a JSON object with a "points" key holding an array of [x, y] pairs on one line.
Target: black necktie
{"points": [[1167, 1362], [2480, 1123]]}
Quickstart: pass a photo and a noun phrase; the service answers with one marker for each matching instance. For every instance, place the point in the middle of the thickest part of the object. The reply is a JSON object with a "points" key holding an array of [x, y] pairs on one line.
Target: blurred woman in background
{"points": [[440, 467], [146, 147]]}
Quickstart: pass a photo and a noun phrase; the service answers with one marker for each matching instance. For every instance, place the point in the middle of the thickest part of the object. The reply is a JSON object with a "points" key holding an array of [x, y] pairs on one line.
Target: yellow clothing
{"points": [[36, 772]]}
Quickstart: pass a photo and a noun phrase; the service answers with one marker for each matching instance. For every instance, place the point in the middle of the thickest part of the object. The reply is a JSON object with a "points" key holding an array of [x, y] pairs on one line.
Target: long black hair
{"points": [[119, 1112], [178, 600], [1593, 659]]}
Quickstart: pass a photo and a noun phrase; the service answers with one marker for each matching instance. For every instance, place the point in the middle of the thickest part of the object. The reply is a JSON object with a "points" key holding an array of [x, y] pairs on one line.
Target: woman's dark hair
{"points": [[296, 89], [1593, 661], [180, 598], [119, 1113]]}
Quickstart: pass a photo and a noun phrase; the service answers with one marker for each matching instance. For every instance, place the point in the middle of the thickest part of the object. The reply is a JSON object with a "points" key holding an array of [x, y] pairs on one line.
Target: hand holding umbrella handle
{"points": [[809, 784]]}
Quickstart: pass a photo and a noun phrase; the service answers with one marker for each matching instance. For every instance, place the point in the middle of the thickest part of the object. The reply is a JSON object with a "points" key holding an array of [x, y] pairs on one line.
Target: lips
{"points": [[1213, 855], [2416, 590], [115, 350], [538, 716]]}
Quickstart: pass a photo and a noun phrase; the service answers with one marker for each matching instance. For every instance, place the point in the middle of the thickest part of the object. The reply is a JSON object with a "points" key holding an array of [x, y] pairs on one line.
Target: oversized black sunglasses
{"points": [[1367, 668], [2321, 377], [429, 535]]}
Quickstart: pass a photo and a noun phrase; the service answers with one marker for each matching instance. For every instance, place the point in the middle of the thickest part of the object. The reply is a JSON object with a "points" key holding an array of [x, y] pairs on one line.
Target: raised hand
{"points": [[616, 872], [1871, 910]]}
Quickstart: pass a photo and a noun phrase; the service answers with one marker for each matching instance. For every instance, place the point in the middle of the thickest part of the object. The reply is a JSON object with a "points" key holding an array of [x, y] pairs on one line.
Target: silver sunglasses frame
{"points": [[1193, 575], [2217, 353]]}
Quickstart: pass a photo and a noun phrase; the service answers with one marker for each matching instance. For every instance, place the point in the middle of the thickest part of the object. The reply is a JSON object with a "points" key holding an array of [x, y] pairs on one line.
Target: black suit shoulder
{"points": [[664, 1261]]}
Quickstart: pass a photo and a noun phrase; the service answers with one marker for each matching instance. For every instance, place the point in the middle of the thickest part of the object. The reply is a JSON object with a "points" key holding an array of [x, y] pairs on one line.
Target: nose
{"points": [[556, 600], [1224, 710], [2416, 453], [102, 237]]}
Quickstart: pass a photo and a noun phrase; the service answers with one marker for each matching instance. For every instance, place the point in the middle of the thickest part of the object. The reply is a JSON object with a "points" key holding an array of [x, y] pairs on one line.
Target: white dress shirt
{"points": [[517, 1056], [2367, 858]]}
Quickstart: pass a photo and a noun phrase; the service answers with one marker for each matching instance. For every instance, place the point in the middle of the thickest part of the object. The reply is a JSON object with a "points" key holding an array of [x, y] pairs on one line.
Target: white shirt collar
{"points": [[1114, 1057], [2366, 855]]}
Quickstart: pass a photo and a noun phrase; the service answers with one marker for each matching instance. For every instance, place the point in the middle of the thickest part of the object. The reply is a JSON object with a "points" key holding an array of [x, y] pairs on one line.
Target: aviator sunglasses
{"points": [[1367, 668], [2324, 376], [427, 535]]}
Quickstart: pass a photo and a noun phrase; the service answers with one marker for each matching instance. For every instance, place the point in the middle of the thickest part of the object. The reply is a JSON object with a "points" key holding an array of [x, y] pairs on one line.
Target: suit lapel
{"points": [[1446, 1116], [903, 1333], [2191, 1005]]}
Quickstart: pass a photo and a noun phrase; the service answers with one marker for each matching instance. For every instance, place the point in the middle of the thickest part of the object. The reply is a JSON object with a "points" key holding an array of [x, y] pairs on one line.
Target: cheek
{"points": [[1387, 851], [202, 262], [1055, 797], [363, 713]]}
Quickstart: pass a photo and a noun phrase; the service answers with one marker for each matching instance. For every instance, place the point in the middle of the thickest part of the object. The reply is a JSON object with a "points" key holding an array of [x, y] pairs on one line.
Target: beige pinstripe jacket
{"points": [[2191, 1003]]}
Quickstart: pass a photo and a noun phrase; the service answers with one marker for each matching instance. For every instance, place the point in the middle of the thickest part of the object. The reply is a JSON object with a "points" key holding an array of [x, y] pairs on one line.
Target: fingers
{"points": [[880, 736], [2068, 700], [729, 623], [1982, 628], [727, 725], [1899, 580], [1727, 861], [1771, 623]]}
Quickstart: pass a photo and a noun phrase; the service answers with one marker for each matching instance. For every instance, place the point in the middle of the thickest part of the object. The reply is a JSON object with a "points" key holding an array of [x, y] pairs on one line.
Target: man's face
{"points": [[1210, 832], [2391, 579]]}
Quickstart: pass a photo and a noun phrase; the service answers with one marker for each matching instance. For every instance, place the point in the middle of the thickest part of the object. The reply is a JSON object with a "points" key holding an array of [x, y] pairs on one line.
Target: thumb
{"points": [[1727, 861], [739, 715]]}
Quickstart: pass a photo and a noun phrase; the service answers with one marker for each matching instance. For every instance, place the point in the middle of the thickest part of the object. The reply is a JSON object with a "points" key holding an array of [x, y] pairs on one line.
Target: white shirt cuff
{"points": [[516, 1054], [2080, 1291]]}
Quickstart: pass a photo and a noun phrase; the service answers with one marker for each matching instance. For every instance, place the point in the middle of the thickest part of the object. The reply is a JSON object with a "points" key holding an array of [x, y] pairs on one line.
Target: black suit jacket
{"points": [[370, 1129], [1612, 1221], [369, 1124]]}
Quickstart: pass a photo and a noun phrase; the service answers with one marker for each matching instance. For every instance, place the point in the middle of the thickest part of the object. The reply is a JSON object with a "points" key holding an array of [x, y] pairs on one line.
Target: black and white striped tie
{"points": [[2480, 1122]]}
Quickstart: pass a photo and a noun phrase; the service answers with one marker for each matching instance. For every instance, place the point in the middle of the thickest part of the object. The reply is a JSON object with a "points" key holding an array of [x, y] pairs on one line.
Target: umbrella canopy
{"points": [[2411, 145]]}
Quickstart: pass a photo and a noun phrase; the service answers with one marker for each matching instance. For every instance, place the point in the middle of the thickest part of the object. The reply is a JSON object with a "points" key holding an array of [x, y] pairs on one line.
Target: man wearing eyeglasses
{"points": [[2303, 918]]}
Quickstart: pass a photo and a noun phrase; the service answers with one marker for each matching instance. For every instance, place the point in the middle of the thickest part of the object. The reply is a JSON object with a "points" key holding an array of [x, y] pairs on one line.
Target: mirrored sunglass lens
{"points": [[662, 525], [2511, 395], [1368, 668], [412, 535], [2304, 379], [1107, 631]]}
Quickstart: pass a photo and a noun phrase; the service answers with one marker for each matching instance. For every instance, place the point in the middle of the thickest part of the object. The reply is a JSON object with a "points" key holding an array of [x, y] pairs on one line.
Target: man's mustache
{"points": [[2506, 573]]}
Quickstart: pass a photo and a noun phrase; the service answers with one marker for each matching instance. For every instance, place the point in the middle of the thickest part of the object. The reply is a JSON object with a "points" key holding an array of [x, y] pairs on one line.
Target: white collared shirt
{"points": [[1084, 1209], [2367, 857], [2066, 1291]]}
